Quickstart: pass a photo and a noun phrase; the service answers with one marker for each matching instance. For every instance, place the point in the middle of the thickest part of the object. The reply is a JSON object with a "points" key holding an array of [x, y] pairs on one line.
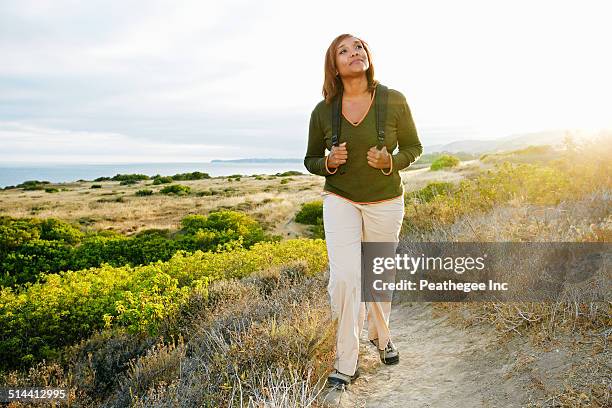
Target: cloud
{"points": [[246, 75], [22, 142]]}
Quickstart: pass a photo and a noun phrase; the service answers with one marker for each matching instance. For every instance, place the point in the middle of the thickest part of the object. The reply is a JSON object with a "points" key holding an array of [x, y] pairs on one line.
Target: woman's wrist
{"points": [[327, 168], [390, 167]]}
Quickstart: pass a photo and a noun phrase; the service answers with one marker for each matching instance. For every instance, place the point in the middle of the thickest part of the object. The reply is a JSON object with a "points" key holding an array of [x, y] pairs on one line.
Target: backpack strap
{"points": [[336, 111], [382, 96]]}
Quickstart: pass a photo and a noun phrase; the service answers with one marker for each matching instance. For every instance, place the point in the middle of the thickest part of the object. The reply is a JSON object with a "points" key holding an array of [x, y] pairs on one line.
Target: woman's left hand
{"points": [[379, 159]]}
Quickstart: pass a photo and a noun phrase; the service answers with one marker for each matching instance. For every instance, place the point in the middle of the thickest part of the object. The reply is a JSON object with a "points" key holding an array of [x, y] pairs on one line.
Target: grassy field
{"points": [[268, 201]]}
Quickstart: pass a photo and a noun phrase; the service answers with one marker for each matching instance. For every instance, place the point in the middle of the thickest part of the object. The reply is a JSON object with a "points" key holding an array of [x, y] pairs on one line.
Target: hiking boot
{"points": [[389, 355], [339, 380]]}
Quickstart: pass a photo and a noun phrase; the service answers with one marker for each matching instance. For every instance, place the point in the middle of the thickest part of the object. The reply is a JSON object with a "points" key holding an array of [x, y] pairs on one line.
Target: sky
{"points": [[191, 81]]}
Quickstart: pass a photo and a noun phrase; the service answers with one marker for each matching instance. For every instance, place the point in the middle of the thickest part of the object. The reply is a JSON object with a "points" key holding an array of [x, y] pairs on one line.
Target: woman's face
{"points": [[351, 58]]}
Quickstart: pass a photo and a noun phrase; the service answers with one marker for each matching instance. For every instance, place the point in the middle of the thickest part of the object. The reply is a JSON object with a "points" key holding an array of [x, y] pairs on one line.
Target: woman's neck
{"points": [[355, 87]]}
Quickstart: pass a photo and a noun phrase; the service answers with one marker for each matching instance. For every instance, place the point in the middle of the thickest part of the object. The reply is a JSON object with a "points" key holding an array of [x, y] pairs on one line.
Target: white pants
{"points": [[347, 224]]}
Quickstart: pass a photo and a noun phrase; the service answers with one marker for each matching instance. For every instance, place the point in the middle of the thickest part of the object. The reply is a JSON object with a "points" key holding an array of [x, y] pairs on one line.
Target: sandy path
{"points": [[440, 366]]}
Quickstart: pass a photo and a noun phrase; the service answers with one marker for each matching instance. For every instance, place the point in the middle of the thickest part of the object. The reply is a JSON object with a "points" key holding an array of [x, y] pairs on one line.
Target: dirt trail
{"points": [[440, 366]]}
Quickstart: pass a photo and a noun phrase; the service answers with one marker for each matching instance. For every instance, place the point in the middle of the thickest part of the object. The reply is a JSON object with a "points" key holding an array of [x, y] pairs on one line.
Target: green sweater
{"points": [[362, 183]]}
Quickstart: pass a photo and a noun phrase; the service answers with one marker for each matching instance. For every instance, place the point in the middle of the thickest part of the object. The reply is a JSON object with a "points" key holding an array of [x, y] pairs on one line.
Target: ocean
{"points": [[11, 175]]}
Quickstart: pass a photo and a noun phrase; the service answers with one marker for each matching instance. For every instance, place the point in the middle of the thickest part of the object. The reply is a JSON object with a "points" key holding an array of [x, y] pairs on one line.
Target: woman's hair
{"points": [[332, 83]]}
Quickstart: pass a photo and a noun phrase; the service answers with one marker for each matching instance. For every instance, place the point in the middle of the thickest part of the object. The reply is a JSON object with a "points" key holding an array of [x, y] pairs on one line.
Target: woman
{"points": [[363, 197]]}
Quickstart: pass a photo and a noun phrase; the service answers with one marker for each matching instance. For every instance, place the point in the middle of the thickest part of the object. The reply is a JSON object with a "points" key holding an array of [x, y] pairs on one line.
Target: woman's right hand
{"points": [[337, 156]]}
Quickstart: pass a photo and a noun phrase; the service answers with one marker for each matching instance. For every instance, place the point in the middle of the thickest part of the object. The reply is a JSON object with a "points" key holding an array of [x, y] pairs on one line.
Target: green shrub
{"points": [[96, 186], [111, 200], [33, 185], [177, 189], [220, 228], [317, 231], [162, 180], [51, 190], [125, 177], [53, 229], [196, 175], [117, 250], [127, 182], [145, 192], [444, 161], [430, 191], [31, 248], [40, 319], [311, 213], [290, 173]]}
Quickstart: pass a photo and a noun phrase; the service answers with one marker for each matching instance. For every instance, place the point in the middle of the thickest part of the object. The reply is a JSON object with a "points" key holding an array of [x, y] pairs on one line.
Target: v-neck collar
{"points": [[366, 113]]}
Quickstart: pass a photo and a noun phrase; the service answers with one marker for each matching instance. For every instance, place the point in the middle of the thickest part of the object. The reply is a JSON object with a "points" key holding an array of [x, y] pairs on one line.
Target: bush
{"points": [[196, 175], [430, 191], [177, 189], [126, 177], [444, 161], [145, 192], [162, 180], [40, 319], [220, 228], [290, 173], [51, 190], [111, 200], [32, 248], [96, 186], [127, 182], [311, 213], [33, 185]]}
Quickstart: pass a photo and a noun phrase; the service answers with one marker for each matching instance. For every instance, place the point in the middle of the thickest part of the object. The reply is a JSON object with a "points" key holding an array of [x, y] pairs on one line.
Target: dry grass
{"points": [[272, 204], [81, 205], [574, 323]]}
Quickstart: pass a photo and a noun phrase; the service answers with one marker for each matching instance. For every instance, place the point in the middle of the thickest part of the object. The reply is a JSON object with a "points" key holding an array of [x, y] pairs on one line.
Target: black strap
{"points": [[382, 95], [336, 109]]}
